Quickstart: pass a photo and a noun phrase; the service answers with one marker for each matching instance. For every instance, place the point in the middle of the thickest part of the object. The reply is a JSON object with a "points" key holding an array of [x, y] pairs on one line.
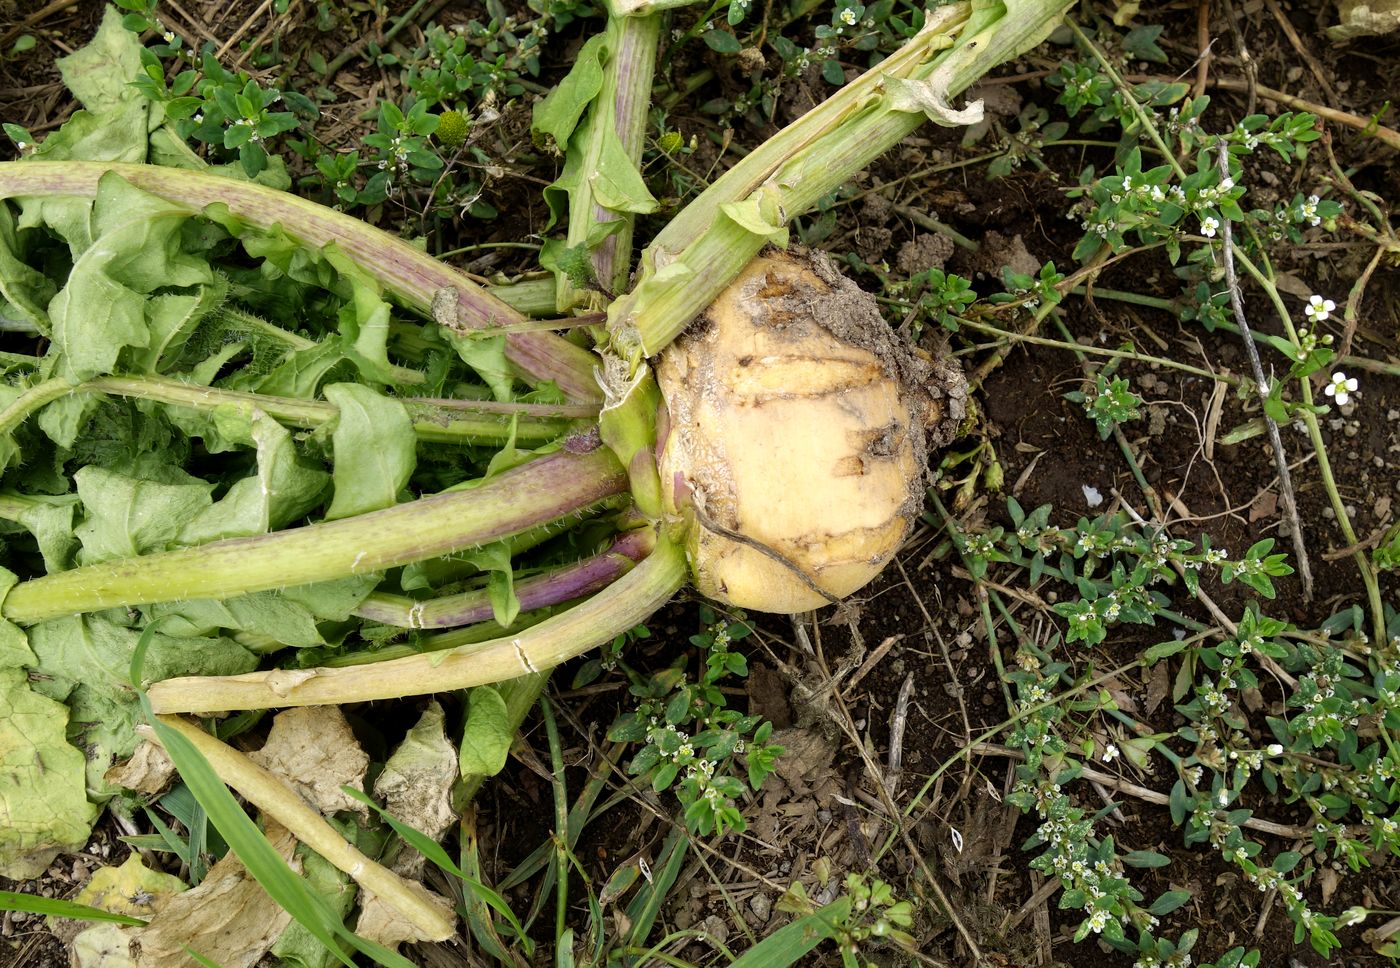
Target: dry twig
{"points": [[1285, 479], [1148, 795]]}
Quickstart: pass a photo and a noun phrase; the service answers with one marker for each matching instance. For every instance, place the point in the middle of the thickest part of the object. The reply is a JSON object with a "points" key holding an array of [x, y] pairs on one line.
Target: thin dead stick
{"points": [[1285, 479], [1203, 45], [847, 726], [1303, 52], [429, 913], [1042, 894], [880, 652], [1350, 314], [258, 40], [238, 34], [197, 26], [1215, 610], [36, 17], [1251, 66], [1150, 796]]}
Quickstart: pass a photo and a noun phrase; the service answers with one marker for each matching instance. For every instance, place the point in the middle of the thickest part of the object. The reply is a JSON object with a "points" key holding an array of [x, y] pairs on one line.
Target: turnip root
{"points": [[793, 436]]}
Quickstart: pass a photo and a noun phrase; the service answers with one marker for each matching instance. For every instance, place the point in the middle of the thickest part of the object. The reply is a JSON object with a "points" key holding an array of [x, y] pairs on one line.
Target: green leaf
{"points": [[50, 520], [171, 318], [617, 184], [84, 662], [43, 790], [375, 450], [99, 75], [505, 607], [24, 291], [1178, 802], [289, 616], [486, 355], [558, 114], [1161, 650], [1145, 858], [126, 516], [363, 318], [103, 306], [487, 736], [284, 489], [1169, 902], [753, 216], [14, 646], [722, 42]]}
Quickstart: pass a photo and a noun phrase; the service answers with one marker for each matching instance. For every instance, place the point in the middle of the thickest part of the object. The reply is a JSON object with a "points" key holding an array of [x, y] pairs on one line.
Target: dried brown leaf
{"points": [[416, 785], [314, 750], [148, 770], [1159, 685], [228, 918], [381, 922]]}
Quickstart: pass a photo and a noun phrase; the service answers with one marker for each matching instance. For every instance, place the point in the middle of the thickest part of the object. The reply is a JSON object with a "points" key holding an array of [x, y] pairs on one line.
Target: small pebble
{"points": [[715, 927], [761, 906]]}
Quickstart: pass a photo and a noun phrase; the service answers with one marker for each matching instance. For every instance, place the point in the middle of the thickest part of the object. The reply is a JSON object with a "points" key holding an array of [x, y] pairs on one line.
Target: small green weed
{"points": [[870, 916], [693, 742]]}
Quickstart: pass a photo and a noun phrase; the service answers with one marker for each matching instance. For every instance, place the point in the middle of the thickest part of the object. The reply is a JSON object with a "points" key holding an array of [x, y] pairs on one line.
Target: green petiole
{"points": [[516, 500], [624, 604], [703, 249]]}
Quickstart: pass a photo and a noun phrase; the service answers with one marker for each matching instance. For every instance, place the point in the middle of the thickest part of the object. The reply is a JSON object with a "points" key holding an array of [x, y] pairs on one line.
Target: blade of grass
{"points": [[561, 820], [169, 840], [32, 904], [478, 917], [284, 885], [434, 851], [645, 907], [263, 863], [261, 788], [792, 942]]}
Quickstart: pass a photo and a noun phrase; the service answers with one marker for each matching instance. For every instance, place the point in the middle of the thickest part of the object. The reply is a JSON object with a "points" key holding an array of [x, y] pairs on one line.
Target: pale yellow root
{"points": [[793, 449]]}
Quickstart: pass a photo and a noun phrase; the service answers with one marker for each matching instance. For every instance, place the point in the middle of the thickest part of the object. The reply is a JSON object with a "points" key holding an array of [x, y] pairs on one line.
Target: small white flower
{"points": [[1274, 749], [848, 17], [1110, 753], [168, 36], [1319, 308], [1307, 211], [1208, 226], [1341, 388], [21, 145]]}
